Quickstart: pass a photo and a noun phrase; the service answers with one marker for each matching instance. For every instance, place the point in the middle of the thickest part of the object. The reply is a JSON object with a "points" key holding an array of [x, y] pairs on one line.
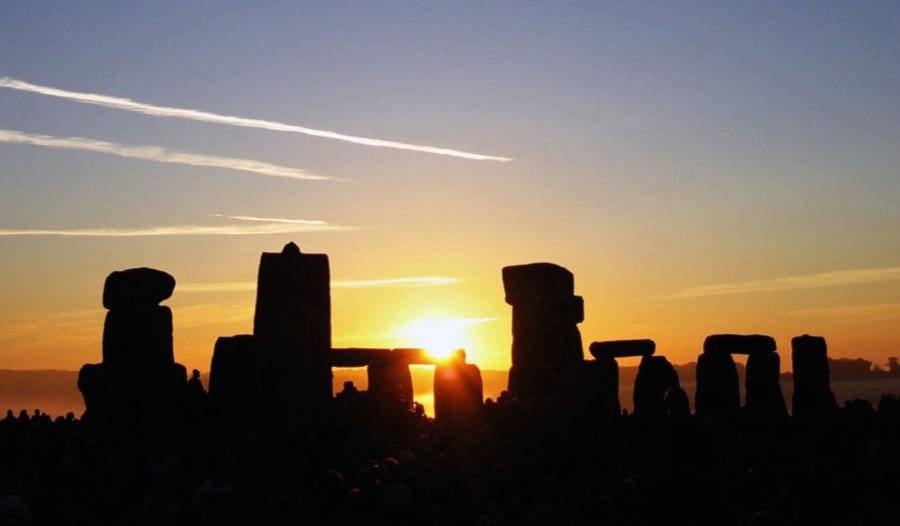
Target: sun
{"points": [[438, 337]]}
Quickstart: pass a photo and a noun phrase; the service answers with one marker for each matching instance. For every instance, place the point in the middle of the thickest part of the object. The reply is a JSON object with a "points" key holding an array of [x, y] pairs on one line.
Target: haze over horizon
{"points": [[700, 168]]}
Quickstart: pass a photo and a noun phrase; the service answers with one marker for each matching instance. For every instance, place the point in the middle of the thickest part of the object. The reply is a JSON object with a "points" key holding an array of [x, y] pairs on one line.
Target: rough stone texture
{"points": [[233, 386], [458, 396], [390, 382], [137, 286], [547, 353], [655, 376], [623, 348], [763, 387], [813, 397], [292, 326], [138, 337], [718, 390], [738, 343]]}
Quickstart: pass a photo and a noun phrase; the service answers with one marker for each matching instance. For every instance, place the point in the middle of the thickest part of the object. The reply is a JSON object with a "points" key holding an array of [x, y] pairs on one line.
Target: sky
{"points": [[700, 167]]}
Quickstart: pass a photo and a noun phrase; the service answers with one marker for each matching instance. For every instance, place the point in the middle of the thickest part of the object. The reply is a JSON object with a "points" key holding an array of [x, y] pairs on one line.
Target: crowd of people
{"points": [[372, 463]]}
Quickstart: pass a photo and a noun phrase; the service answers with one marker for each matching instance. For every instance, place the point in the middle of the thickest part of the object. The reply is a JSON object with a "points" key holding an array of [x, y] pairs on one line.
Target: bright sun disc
{"points": [[438, 337]]}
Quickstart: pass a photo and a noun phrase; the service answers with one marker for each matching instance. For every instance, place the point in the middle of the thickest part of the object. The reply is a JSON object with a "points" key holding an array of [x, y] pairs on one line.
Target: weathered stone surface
{"points": [[138, 337], [763, 387], [812, 397], [623, 348], [292, 326], [458, 396], [718, 390], [137, 286], [655, 376], [738, 343]]}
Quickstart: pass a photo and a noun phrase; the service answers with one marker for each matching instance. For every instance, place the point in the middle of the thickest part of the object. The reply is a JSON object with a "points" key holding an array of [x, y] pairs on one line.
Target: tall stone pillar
{"points": [[138, 381], [655, 377], [718, 389], [813, 398], [233, 386], [458, 395], [390, 381], [547, 354], [292, 328]]}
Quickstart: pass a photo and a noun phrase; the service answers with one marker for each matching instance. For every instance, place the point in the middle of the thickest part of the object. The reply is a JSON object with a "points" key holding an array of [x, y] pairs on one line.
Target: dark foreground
{"points": [[391, 465]]}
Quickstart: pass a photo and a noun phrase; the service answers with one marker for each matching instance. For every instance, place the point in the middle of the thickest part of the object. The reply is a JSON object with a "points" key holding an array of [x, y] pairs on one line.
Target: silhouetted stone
{"points": [[762, 384], [738, 343], [390, 382], [94, 384], [623, 348], [654, 378], [233, 386], [537, 282], [458, 395], [813, 398], [138, 385], [547, 353], [138, 337], [718, 390], [600, 385], [292, 326], [137, 286]]}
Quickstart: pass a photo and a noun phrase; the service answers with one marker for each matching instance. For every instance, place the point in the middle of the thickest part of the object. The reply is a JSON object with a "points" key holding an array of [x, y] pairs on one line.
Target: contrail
{"points": [[811, 281], [158, 154], [178, 230], [120, 103]]}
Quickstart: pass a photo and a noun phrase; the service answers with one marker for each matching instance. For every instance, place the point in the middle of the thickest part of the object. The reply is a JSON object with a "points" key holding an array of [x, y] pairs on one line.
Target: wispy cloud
{"points": [[420, 281], [274, 220], [810, 281], [120, 103], [158, 154], [242, 286], [180, 230]]}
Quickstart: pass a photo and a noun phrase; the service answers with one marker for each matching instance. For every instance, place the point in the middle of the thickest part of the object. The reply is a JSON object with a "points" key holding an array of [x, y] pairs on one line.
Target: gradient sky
{"points": [[700, 167]]}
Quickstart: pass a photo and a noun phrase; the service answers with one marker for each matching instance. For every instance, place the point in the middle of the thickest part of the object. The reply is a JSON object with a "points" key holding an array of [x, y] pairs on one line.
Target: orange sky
{"points": [[700, 168]]}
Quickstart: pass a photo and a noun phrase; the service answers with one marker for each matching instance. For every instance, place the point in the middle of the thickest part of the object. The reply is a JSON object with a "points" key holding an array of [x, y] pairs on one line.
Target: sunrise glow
{"points": [[440, 337]]}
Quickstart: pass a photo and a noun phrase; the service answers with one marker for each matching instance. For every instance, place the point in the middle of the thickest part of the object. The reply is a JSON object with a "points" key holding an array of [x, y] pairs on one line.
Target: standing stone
{"points": [[763, 385], [718, 389], [138, 383], [813, 398], [601, 390], [292, 327], [655, 377], [547, 353], [390, 382], [458, 395], [233, 385], [138, 336]]}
